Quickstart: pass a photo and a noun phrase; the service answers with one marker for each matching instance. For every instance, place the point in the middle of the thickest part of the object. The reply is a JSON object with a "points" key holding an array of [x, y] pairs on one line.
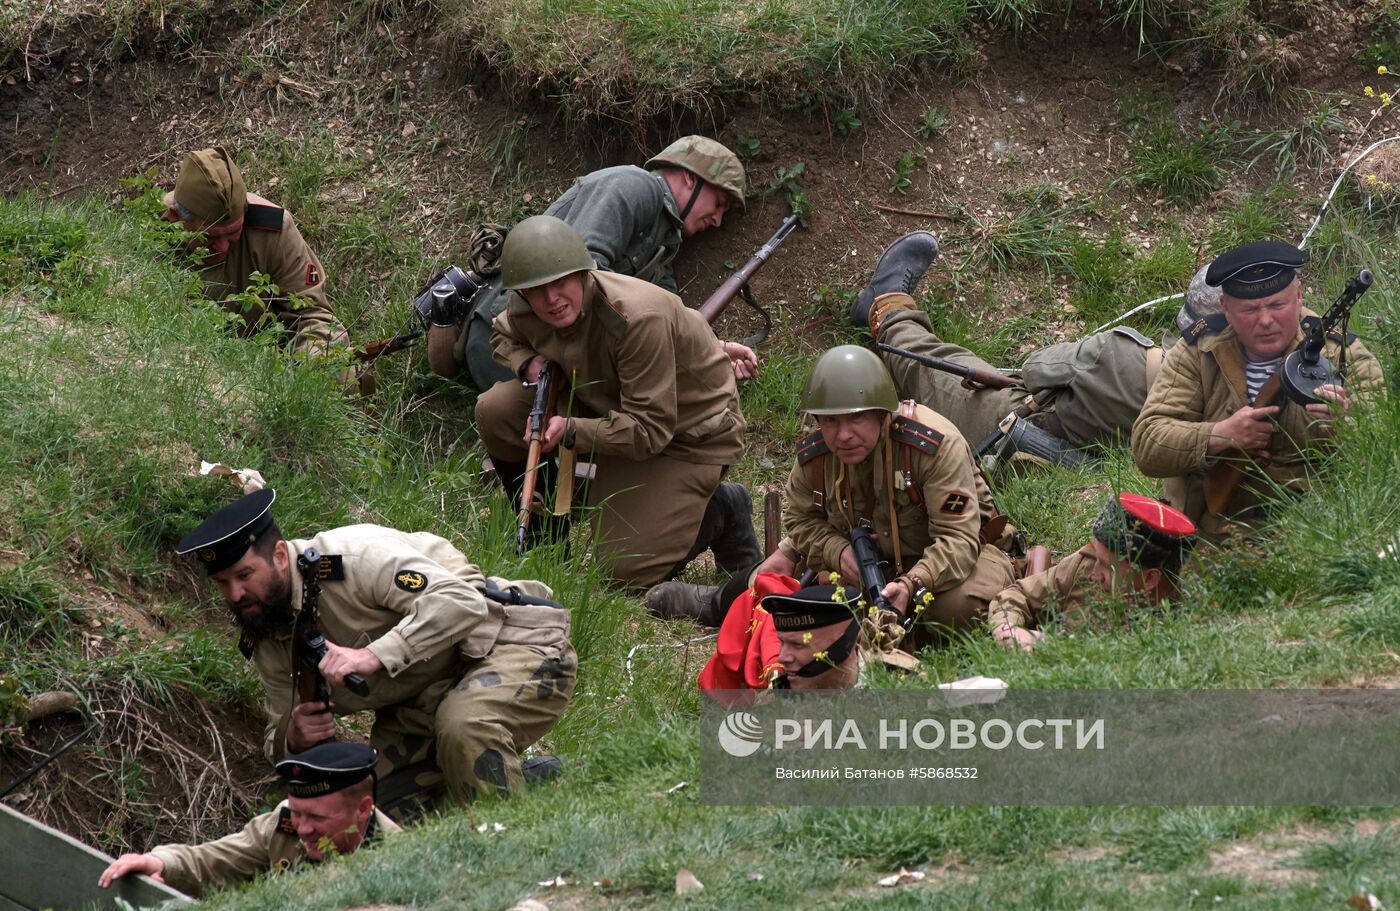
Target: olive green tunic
{"points": [[271, 244]]}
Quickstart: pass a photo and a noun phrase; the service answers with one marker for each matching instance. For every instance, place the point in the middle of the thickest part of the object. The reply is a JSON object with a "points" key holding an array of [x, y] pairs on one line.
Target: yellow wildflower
{"points": [[1370, 178], [1385, 98], [806, 638], [1369, 92], [1381, 70], [820, 656], [833, 578]]}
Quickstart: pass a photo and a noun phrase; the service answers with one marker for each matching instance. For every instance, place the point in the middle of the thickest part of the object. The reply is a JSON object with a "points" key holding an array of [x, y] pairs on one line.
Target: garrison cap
{"points": [[210, 185], [222, 539], [1147, 533], [1256, 270], [327, 768], [812, 607]]}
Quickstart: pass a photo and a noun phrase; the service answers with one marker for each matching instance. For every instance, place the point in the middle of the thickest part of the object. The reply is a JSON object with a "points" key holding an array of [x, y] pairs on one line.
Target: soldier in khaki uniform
{"points": [[1100, 381], [1202, 407], [632, 221], [245, 233], [651, 401], [454, 678], [329, 810], [1137, 551], [911, 480]]}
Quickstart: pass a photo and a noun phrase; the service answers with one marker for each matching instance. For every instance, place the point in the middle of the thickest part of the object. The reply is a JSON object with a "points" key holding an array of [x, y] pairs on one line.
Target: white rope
{"points": [[1138, 309], [636, 648], [1328, 201]]}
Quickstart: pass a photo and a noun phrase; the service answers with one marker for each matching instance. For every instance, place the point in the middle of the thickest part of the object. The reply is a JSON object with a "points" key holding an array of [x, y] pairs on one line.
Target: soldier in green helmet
{"points": [[906, 473], [632, 221], [651, 401]]}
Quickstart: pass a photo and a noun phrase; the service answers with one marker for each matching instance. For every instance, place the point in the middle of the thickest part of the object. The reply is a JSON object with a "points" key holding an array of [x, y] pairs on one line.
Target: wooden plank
{"points": [[41, 867]]}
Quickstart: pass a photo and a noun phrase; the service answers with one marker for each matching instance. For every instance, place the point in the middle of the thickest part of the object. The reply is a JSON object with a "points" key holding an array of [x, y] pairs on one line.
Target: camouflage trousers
{"points": [[468, 734]]}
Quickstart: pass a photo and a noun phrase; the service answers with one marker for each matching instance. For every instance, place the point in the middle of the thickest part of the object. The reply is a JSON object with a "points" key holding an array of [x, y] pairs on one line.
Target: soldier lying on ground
{"points": [[1137, 552], [460, 684], [1205, 404], [632, 221], [245, 233], [329, 811], [1100, 382], [651, 401]]}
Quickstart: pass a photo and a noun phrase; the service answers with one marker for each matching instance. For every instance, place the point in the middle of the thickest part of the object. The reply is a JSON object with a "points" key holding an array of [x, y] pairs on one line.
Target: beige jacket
{"points": [[271, 244], [1064, 586], [935, 506], [412, 599], [648, 376], [265, 844], [1204, 383]]}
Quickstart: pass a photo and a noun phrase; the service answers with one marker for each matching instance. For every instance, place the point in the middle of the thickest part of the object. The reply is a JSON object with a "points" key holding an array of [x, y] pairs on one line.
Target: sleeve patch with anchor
{"points": [[410, 580]]}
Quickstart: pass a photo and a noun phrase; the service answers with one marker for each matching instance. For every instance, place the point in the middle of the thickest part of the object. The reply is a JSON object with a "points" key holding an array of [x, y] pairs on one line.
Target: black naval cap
{"points": [[1256, 270], [327, 768], [811, 608], [222, 539]]}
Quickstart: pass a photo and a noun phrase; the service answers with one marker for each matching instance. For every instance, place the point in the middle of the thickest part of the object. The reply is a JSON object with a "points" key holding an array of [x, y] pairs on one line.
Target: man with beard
{"points": [[460, 684], [329, 811], [245, 234]]}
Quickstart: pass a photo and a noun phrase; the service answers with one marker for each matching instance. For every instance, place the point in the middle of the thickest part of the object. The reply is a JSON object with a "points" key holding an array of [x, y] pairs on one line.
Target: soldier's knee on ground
{"points": [[965, 605], [500, 419]]}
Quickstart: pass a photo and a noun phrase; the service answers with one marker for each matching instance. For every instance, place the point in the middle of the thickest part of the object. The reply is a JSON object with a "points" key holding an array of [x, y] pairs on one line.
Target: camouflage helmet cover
{"points": [[1201, 300], [541, 249], [708, 160], [847, 379]]}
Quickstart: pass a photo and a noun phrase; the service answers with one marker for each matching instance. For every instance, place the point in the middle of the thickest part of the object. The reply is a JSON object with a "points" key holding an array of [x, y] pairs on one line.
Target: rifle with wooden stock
{"points": [[546, 395], [546, 390], [371, 351], [738, 283]]}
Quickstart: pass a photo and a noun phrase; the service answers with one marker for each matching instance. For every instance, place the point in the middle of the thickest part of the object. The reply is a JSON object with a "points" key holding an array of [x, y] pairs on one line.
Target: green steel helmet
{"points": [[708, 160], [847, 379], [539, 250]]}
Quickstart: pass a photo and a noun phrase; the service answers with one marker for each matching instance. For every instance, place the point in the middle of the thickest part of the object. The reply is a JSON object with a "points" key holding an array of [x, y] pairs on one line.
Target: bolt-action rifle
{"points": [[374, 350], [546, 393], [1302, 371], [738, 284]]}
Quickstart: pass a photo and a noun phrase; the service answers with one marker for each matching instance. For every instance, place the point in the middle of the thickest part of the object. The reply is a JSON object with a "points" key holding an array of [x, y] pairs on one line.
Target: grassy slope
{"points": [[116, 379]]}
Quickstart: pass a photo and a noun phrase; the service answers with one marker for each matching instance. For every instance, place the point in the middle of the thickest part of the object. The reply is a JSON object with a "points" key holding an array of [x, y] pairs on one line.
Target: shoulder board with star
{"points": [[908, 432], [264, 218], [245, 646], [810, 447], [284, 822], [1204, 325]]}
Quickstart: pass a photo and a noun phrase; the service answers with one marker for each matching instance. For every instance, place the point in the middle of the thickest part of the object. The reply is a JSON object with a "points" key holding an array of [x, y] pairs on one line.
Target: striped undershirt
{"points": [[1257, 373]]}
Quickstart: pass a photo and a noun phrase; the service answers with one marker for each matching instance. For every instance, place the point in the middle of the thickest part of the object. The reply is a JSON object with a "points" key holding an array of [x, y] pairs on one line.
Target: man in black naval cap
{"points": [[459, 684], [329, 811], [818, 631], [1204, 404]]}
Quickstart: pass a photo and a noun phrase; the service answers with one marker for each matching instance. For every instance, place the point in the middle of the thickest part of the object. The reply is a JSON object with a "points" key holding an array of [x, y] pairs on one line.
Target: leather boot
{"points": [[735, 544], [539, 769], [685, 600], [897, 271]]}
